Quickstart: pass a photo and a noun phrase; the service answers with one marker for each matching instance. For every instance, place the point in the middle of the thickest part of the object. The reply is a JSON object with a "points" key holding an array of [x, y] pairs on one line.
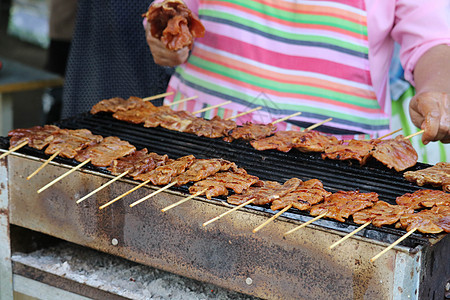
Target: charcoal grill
{"points": [[226, 252]]}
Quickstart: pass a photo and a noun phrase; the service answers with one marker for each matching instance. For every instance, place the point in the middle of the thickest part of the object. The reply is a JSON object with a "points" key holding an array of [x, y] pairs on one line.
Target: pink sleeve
{"points": [[419, 26]]}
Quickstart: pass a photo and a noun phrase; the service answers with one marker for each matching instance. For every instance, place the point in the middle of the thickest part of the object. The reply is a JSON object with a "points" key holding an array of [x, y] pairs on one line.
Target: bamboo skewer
{"points": [[183, 200], [414, 134], [351, 234], [229, 211], [153, 194], [182, 100], [63, 175], [386, 135], [102, 187], [124, 194], [304, 224], [287, 117], [211, 107], [44, 164], [393, 244], [390, 133], [272, 218], [14, 149], [244, 113], [318, 124], [157, 96]]}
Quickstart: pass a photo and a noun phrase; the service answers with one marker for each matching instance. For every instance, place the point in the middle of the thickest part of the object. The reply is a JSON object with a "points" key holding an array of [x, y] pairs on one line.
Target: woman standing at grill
{"points": [[323, 58]]}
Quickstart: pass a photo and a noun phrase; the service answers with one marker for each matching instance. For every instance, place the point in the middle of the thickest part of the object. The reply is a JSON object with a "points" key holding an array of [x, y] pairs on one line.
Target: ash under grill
{"points": [[267, 165]]}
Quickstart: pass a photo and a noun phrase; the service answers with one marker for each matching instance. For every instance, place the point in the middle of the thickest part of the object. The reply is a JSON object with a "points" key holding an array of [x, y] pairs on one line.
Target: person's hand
{"points": [[163, 56], [430, 111]]}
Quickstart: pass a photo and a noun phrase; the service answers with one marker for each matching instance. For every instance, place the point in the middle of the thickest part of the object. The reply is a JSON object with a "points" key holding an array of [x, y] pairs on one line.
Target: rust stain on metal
{"points": [[4, 211]]}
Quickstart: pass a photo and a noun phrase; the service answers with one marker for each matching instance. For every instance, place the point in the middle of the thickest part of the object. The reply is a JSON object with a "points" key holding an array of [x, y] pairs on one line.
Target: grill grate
{"points": [[267, 165]]}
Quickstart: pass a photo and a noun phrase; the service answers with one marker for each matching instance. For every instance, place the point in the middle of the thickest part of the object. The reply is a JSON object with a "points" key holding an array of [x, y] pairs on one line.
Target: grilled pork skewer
{"points": [[160, 175], [194, 171], [263, 194], [307, 193], [36, 137], [381, 213], [435, 220], [100, 154], [424, 198], [437, 175], [340, 205], [250, 131]]}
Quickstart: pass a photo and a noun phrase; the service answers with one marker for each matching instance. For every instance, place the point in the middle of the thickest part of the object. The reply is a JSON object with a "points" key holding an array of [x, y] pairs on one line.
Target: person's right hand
{"points": [[163, 56], [430, 111]]}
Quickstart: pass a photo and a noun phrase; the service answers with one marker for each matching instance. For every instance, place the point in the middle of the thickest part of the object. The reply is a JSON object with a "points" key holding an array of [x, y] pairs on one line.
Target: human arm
{"points": [[430, 107], [422, 28]]}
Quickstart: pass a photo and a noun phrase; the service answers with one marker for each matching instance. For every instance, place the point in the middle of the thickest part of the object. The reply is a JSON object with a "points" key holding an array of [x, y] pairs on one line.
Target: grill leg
{"points": [[6, 282]]}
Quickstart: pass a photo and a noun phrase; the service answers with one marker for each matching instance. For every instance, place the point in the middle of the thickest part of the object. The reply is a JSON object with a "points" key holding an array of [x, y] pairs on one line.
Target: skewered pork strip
{"points": [[250, 131], [396, 153], [342, 204], [437, 175], [308, 193], [200, 169], [424, 198], [70, 142], [353, 149], [140, 114], [164, 174], [310, 141], [433, 220], [38, 137], [117, 104], [267, 192], [138, 162], [169, 119], [214, 128], [103, 153], [218, 184], [381, 213]]}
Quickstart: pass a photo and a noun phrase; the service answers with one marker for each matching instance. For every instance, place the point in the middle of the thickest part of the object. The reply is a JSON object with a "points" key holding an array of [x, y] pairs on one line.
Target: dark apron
{"points": [[110, 57]]}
